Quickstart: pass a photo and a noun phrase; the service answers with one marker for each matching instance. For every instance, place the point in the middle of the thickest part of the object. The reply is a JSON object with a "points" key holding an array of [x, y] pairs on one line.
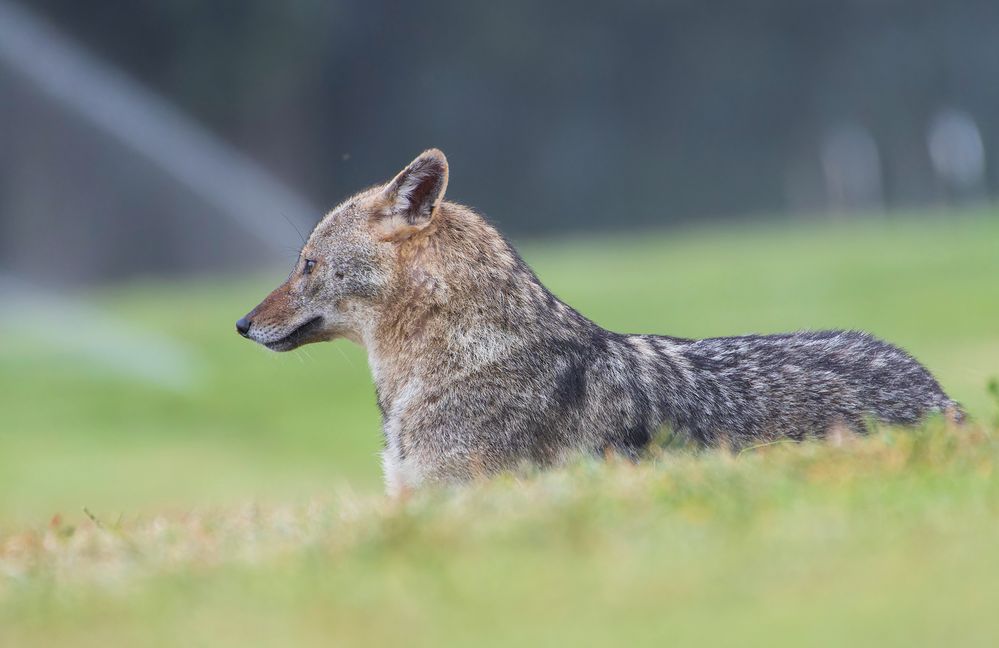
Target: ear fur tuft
{"points": [[414, 194]]}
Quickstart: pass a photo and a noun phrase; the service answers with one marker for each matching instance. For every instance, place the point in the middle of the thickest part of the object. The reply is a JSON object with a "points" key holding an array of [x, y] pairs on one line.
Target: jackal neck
{"points": [[461, 299]]}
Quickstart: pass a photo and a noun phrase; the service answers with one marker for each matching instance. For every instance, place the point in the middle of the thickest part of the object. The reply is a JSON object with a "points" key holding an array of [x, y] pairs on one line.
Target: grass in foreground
{"points": [[886, 540]]}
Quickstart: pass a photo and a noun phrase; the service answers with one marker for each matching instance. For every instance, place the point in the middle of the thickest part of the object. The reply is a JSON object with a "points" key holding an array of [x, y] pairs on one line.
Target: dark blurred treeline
{"points": [[586, 114], [566, 113]]}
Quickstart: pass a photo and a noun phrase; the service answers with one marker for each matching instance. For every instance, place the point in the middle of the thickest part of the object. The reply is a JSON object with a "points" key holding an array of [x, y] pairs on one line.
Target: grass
{"points": [[243, 506]]}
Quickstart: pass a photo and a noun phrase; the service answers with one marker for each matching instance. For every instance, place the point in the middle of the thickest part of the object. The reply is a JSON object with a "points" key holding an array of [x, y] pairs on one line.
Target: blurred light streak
{"points": [[65, 326], [149, 125]]}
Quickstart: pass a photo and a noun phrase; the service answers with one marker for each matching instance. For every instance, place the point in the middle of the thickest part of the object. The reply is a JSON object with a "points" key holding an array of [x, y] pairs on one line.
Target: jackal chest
{"points": [[396, 469], [397, 403]]}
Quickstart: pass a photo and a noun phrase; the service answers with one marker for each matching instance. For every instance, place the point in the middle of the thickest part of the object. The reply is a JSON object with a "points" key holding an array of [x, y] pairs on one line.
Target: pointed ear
{"points": [[414, 194]]}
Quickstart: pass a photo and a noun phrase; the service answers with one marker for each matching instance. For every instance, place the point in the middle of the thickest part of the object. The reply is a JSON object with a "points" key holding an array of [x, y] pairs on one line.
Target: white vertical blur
{"points": [[851, 168], [957, 154]]}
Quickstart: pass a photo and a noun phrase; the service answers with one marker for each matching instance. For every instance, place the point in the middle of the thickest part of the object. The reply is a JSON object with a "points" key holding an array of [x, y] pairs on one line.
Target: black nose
{"points": [[243, 326]]}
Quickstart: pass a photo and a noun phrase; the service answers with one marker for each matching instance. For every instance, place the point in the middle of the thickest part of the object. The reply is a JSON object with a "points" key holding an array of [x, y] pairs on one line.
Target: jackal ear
{"points": [[414, 194]]}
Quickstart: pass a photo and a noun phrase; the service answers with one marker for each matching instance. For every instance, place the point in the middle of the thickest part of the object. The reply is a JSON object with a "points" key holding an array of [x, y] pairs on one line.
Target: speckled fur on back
{"points": [[478, 367]]}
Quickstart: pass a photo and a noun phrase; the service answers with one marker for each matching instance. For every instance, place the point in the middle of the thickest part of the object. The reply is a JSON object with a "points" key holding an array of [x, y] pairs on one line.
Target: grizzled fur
{"points": [[478, 367]]}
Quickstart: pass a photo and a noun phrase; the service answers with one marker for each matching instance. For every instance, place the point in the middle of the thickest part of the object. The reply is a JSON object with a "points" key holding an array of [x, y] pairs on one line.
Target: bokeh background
{"points": [[694, 168], [133, 130]]}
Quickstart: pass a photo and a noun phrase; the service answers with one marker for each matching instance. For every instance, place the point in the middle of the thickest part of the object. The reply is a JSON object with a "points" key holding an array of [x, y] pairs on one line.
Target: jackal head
{"points": [[351, 261]]}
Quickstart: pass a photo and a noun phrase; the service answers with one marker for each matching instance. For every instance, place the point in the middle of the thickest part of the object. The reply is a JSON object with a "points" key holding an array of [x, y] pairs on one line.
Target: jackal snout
{"points": [[280, 323]]}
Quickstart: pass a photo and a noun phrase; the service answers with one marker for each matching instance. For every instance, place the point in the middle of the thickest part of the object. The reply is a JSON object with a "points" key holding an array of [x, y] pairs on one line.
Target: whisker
{"points": [[294, 226], [345, 356]]}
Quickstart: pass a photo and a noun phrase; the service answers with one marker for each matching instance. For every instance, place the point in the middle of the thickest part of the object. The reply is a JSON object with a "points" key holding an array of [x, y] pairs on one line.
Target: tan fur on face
{"points": [[276, 307]]}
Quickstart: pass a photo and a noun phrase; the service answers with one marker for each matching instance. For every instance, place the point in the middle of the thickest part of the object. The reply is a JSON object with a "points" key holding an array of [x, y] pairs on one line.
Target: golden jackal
{"points": [[478, 367]]}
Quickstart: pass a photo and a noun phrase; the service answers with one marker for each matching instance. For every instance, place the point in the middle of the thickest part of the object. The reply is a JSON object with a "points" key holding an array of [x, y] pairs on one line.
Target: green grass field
{"points": [[242, 505]]}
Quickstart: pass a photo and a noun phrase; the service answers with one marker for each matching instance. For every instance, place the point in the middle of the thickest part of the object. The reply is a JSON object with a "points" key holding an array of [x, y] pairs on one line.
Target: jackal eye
{"points": [[309, 265]]}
